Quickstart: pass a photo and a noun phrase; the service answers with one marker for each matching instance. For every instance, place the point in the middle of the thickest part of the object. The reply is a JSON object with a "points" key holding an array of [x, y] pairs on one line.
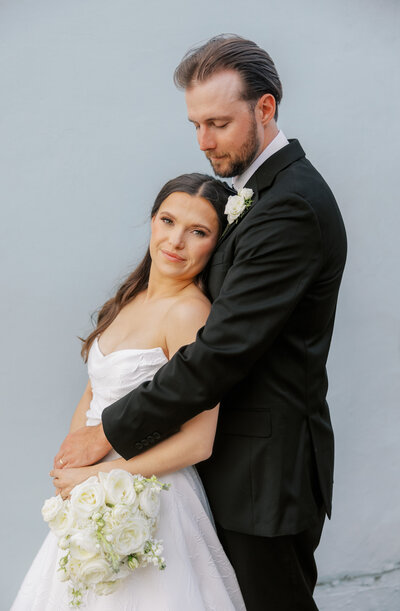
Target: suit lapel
{"points": [[265, 176]]}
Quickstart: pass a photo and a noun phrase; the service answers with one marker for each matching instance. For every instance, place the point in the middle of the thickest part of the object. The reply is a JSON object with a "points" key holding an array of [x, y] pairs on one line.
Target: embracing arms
{"points": [[192, 444], [278, 254]]}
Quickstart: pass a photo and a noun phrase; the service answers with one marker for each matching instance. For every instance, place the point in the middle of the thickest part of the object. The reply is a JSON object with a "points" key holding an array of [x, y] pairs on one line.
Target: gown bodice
{"points": [[114, 375]]}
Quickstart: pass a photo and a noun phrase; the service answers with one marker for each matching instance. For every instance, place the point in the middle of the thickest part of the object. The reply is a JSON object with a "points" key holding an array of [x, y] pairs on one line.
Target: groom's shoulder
{"points": [[290, 177]]}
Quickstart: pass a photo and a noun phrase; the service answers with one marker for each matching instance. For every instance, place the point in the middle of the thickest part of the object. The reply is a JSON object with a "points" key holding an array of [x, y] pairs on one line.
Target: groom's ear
{"points": [[265, 108]]}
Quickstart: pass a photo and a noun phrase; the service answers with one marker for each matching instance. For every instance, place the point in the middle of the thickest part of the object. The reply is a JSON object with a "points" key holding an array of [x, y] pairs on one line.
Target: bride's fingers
{"points": [[56, 473], [65, 492]]}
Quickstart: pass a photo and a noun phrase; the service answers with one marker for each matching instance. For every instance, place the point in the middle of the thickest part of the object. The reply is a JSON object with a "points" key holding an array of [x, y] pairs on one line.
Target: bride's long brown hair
{"points": [[202, 185]]}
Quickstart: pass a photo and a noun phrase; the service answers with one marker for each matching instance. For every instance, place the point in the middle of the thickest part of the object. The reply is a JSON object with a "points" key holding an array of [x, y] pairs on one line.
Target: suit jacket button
{"points": [[150, 438], [144, 442], [156, 435], [138, 446]]}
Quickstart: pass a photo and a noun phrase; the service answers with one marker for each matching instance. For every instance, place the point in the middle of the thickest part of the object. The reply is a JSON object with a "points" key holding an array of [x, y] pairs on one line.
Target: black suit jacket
{"points": [[274, 279]]}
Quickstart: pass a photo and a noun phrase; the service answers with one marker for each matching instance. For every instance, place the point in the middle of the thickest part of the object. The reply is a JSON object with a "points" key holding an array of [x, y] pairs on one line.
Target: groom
{"points": [[274, 280]]}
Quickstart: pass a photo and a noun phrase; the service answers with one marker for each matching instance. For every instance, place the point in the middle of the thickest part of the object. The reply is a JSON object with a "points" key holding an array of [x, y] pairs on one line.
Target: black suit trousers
{"points": [[275, 573]]}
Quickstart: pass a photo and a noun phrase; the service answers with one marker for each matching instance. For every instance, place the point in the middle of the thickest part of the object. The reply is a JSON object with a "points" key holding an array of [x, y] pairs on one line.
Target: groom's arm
{"points": [[275, 261]]}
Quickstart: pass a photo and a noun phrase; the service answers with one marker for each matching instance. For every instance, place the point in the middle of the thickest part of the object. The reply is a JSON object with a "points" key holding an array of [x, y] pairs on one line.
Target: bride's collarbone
{"points": [[143, 324], [137, 327]]}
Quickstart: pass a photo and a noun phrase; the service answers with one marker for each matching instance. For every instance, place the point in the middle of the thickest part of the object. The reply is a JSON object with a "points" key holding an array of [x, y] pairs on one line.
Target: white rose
{"points": [[82, 545], [51, 507], [246, 193], [149, 501], [118, 486], [87, 497], [131, 536], [120, 514], [107, 587], [94, 571], [62, 524], [234, 207]]}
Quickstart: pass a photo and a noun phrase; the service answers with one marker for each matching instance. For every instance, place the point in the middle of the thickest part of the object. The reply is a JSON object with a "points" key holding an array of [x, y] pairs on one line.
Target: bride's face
{"points": [[184, 232]]}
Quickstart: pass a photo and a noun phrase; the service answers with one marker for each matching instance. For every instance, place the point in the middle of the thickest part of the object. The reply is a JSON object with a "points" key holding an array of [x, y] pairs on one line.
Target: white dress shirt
{"points": [[277, 143]]}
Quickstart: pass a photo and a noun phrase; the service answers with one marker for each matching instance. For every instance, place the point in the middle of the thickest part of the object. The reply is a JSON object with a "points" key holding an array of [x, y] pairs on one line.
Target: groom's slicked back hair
{"points": [[231, 52]]}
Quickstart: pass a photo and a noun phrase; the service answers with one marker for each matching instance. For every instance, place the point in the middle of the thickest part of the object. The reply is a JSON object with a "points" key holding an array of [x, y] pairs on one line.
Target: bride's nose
{"points": [[176, 238]]}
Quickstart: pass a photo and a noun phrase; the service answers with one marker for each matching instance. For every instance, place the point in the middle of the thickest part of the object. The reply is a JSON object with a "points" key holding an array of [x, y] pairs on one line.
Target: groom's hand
{"points": [[84, 447]]}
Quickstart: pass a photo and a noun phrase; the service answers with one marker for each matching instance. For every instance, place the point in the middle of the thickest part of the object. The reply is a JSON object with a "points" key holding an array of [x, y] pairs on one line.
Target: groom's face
{"points": [[228, 128]]}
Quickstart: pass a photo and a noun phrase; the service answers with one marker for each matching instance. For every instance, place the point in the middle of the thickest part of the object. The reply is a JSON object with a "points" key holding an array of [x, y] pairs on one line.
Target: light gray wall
{"points": [[90, 128]]}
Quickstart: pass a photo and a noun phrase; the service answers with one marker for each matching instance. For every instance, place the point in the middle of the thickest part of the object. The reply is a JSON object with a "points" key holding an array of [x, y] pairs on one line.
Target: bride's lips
{"points": [[172, 256]]}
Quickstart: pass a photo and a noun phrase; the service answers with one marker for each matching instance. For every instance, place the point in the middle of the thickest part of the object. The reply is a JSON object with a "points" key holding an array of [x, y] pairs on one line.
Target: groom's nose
{"points": [[205, 139]]}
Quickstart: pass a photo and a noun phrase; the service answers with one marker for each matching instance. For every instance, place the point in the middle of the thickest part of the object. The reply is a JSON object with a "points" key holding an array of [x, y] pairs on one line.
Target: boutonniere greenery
{"points": [[237, 204]]}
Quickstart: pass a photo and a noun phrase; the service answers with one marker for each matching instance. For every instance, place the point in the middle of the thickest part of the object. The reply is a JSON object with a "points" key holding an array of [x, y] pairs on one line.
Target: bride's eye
{"points": [[166, 220], [199, 232]]}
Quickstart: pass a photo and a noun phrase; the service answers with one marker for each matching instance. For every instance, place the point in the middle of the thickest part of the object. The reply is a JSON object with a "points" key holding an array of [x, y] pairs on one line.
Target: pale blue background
{"points": [[90, 128]]}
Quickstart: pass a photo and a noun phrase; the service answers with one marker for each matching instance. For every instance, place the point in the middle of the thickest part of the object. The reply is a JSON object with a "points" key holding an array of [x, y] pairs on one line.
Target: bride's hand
{"points": [[65, 479]]}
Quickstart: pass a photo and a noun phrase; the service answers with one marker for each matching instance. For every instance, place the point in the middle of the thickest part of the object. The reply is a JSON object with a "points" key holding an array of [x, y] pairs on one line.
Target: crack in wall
{"points": [[366, 578]]}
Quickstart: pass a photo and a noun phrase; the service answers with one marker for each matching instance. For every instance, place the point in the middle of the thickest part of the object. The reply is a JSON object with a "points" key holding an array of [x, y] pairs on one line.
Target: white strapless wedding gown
{"points": [[198, 576]]}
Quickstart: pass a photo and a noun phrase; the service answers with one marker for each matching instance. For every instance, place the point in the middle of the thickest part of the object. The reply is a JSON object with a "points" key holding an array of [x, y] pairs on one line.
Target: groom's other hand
{"points": [[83, 447]]}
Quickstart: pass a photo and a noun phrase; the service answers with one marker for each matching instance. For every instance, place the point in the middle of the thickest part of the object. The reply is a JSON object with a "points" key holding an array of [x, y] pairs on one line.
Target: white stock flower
{"points": [[63, 575], [131, 536], [246, 193], [234, 207], [118, 486], [149, 501], [63, 543], [73, 570], [83, 545], [87, 497], [51, 507]]}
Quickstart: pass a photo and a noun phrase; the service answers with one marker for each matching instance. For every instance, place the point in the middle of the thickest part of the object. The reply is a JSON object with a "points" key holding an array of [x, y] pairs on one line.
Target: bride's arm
{"points": [[192, 444], [79, 417]]}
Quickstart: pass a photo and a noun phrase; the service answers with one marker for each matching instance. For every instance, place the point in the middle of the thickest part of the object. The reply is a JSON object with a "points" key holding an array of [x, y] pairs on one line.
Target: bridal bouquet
{"points": [[106, 529]]}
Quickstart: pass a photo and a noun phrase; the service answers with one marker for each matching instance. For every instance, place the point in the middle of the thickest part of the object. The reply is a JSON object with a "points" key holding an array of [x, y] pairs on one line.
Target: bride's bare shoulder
{"points": [[191, 307], [183, 319]]}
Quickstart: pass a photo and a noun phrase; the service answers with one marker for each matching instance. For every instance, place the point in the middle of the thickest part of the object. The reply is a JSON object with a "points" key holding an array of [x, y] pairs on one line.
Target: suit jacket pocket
{"points": [[246, 422]]}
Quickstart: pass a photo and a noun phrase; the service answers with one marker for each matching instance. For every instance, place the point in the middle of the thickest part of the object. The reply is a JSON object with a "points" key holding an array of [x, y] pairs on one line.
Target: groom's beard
{"points": [[235, 164]]}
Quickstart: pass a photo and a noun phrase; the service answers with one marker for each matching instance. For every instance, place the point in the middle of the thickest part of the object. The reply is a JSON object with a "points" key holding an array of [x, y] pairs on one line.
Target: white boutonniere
{"points": [[237, 204]]}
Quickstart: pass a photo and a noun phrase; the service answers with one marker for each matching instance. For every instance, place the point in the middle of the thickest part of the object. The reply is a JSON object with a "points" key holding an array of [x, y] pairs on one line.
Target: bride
{"points": [[158, 309]]}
